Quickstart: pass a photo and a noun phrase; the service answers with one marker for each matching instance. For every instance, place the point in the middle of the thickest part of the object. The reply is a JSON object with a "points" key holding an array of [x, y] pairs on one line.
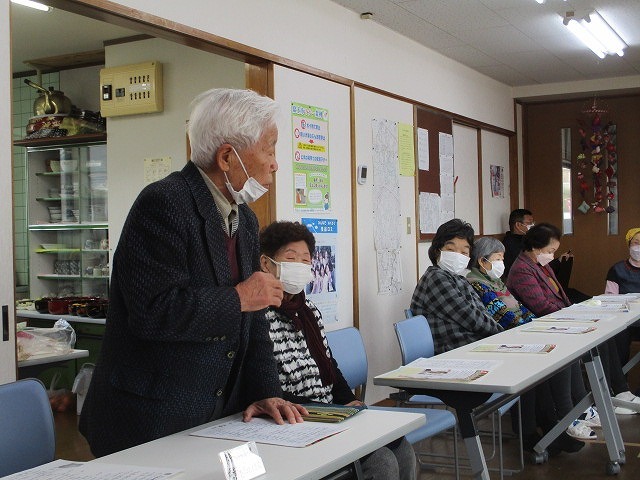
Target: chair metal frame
{"points": [[349, 352]]}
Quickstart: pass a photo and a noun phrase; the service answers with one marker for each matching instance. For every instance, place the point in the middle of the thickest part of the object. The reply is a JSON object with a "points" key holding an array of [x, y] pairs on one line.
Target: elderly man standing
{"points": [[186, 341]]}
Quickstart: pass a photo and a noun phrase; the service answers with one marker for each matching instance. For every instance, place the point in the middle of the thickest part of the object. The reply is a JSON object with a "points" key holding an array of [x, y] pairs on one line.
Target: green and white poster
{"points": [[311, 180]]}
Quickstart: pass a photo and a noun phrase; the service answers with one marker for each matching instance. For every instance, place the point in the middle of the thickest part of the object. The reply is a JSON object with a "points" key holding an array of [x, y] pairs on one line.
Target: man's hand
{"points": [[355, 403], [276, 408], [260, 290]]}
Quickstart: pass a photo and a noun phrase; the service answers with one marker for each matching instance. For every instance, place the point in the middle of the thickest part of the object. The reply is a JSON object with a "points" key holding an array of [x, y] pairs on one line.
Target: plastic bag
{"points": [[81, 384], [58, 340]]}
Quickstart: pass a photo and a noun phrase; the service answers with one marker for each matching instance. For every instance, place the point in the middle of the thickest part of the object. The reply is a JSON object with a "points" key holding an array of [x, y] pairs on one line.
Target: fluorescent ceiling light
{"points": [[603, 32], [29, 3], [596, 34]]}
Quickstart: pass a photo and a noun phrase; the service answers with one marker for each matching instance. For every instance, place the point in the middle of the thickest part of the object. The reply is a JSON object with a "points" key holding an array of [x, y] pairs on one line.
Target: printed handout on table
{"points": [[264, 430], [515, 347], [557, 329], [67, 470]]}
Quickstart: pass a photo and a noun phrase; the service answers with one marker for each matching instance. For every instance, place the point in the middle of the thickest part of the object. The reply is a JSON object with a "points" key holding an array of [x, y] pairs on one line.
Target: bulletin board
{"points": [[429, 180]]}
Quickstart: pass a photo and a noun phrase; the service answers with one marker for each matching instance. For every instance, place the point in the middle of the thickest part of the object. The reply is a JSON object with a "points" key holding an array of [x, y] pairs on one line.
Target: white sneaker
{"points": [[580, 431], [626, 397], [592, 418]]}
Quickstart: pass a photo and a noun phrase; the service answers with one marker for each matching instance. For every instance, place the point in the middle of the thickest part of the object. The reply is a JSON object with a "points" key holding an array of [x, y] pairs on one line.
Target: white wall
{"points": [[327, 36], [81, 86], [7, 348], [292, 86], [465, 167], [132, 138], [379, 312]]}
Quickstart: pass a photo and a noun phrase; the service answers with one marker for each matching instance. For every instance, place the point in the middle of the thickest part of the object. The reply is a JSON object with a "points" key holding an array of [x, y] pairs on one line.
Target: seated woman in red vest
{"points": [[536, 286]]}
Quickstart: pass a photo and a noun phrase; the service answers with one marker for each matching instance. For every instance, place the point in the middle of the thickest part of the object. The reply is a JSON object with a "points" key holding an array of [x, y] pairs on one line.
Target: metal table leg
{"points": [[610, 427]]}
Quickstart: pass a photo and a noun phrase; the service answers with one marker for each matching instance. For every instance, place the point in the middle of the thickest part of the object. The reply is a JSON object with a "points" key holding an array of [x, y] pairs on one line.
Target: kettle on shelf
{"points": [[50, 102]]}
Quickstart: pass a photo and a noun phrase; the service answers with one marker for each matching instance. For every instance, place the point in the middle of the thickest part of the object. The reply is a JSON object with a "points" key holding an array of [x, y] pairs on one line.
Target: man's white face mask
{"points": [[250, 191]]}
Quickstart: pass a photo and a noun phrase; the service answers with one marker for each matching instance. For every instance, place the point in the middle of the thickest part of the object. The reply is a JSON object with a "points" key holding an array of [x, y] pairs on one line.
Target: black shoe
{"points": [[529, 441], [565, 443]]}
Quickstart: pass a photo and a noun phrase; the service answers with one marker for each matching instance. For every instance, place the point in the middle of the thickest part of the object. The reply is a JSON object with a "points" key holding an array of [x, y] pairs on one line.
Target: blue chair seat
{"points": [[437, 421]]}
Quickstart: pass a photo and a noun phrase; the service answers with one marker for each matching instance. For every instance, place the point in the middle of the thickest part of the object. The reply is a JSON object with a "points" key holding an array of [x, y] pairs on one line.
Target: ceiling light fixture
{"points": [[36, 5], [596, 34]]}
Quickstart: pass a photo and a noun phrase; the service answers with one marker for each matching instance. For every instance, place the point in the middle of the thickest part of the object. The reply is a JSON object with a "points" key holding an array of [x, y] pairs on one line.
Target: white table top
{"points": [[518, 371], [43, 359], [68, 318], [198, 456]]}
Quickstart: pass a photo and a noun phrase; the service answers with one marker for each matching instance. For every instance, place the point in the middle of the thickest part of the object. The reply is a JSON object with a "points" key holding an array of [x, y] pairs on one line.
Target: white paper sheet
{"points": [[565, 315], [262, 430], [423, 149], [66, 470], [515, 347], [558, 329], [429, 212]]}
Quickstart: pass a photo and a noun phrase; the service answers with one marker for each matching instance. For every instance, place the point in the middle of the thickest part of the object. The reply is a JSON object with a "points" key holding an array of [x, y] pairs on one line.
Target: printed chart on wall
{"points": [[311, 180], [386, 205], [323, 289]]}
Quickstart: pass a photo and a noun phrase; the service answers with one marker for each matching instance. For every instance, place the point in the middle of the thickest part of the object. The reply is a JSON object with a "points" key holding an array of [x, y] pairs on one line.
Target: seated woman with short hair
{"points": [[455, 313], [307, 370]]}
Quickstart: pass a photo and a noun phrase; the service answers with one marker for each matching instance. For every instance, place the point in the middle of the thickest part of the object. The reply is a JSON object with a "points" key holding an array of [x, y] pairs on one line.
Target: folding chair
{"points": [[348, 349], [416, 341], [27, 433]]}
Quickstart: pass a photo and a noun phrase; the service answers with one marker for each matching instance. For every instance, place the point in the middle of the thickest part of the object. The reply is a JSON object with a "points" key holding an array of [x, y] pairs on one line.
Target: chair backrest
{"points": [[414, 337], [27, 432], [348, 350]]}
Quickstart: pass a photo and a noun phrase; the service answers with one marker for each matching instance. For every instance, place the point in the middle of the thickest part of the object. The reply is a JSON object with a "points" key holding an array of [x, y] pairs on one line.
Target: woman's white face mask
{"points": [[544, 258], [634, 252], [453, 262], [497, 269], [294, 276]]}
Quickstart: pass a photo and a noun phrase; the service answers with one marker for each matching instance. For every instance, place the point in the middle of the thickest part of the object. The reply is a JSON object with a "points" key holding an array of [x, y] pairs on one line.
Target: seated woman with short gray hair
{"points": [[487, 266]]}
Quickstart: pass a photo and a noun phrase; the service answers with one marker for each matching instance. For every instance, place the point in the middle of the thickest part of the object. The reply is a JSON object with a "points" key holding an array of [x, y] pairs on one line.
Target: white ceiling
{"points": [[36, 34], [517, 42]]}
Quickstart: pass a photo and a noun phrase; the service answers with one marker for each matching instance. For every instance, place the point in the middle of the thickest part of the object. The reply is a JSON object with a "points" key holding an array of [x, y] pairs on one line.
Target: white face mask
{"points": [[497, 269], [634, 252], [544, 258], [294, 276], [453, 262], [251, 190]]}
